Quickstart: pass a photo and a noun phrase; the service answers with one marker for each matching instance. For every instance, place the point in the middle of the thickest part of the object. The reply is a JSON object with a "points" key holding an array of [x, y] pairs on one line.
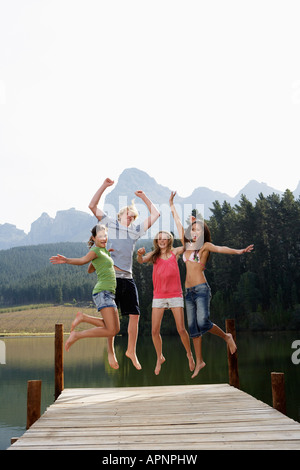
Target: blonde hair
{"points": [[131, 208]]}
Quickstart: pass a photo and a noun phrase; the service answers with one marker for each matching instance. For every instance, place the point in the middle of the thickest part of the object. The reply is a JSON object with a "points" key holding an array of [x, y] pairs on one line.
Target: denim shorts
{"points": [[197, 301], [168, 303], [104, 299]]}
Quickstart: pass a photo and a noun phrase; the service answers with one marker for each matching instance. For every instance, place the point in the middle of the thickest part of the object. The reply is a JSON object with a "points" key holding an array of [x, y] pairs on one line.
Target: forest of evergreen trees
{"points": [[260, 290]]}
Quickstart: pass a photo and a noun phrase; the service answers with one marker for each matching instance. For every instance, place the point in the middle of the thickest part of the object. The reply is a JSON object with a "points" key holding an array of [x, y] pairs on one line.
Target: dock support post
{"points": [[278, 391], [34, 394], [59, 359], [232, 358]]}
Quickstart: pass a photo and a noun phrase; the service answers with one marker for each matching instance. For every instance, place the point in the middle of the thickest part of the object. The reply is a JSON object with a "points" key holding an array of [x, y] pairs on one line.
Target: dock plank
{"points": [[191, 417]]}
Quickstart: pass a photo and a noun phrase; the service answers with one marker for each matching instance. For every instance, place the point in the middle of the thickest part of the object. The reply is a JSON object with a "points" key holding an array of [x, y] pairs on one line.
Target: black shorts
{"points": [[127, 298]]}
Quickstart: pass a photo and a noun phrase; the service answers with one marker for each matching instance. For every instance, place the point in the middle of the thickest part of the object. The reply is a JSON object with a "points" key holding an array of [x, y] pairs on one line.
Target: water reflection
{"points": [[86, 365]]}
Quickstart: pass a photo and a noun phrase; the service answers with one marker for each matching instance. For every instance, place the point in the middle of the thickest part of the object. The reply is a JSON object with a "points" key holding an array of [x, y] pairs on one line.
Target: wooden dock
{"points": [[183, 417]]}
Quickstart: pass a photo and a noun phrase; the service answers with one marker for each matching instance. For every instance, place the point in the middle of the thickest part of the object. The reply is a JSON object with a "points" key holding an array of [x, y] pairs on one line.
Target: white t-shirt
{"points": [[122, 240]]}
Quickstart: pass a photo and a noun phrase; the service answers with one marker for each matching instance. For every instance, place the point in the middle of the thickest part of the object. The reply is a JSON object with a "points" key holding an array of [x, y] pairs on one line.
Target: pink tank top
{"points": [[166, 278]]}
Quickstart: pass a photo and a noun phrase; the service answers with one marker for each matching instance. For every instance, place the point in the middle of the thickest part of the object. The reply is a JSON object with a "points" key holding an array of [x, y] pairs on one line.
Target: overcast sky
{"points": [[195, 93]]}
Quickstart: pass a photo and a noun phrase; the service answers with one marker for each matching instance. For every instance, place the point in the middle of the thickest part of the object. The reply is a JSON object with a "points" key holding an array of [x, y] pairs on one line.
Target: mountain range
{"points": [[74, 226]]}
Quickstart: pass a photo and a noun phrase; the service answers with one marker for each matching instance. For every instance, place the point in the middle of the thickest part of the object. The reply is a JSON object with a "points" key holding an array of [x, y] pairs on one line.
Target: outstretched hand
{"points": [[171, 200], [58, 259], [248, 249]]}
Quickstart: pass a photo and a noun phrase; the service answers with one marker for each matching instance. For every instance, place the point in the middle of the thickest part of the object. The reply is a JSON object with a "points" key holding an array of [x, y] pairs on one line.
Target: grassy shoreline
{"points": [[39, 320]]}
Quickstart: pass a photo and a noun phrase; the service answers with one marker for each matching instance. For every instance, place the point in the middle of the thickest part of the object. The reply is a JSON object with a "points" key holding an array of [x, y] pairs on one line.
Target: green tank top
{"points": [[104, 267]]}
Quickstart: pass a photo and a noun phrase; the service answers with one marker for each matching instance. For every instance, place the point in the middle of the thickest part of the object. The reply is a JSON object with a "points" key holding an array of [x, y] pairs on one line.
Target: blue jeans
{"points": [[197, 301]]}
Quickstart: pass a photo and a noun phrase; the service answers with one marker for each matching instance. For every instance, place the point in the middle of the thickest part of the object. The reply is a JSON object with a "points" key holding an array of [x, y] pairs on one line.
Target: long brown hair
{"points": [[206, 238], [94, 232], [156, 251]]}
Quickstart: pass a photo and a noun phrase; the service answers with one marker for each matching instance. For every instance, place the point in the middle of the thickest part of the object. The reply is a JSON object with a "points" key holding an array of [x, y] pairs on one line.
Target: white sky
{"points": [[195, 93]]}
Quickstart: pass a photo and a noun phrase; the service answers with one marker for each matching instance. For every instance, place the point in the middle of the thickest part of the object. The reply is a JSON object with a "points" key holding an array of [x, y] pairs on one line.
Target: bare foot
{"points": [[71, 340], [112, 360], [78, 319], [198, 368], [191, 362], [134, 360], [159, 362], [230, 343]]}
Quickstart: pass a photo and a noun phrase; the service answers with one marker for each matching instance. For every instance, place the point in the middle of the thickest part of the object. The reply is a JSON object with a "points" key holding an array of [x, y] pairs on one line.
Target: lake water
{"points": [[85, 365]]}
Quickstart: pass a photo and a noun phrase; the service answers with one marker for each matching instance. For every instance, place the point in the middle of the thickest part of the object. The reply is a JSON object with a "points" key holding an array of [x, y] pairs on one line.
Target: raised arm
{"points": [[176, 217], [154, 213], [178, 251], [60, 259], [142, 257], [93, 205]]}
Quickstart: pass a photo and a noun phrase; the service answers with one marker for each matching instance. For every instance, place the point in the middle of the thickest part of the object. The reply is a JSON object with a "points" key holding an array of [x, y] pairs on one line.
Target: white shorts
{"points": [[168, 303]]}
